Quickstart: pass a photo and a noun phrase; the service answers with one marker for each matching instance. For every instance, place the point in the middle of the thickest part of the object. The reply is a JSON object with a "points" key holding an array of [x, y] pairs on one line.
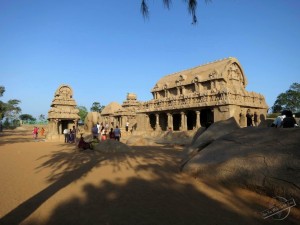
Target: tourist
{"points": [[35, 132], [127, 126], [249, 118], [103, 136], [117, 133], [66, 133], [111, 134], [277, 122], [98, 127], [71, 136], [289, 121], [255, 119], [42, 131], [1, 126], [95, 132], [83, 145]]}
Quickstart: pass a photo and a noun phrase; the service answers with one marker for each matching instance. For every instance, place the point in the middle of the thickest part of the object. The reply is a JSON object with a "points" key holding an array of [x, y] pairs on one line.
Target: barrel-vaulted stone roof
{"points": [[220, 69], [111, 108]]}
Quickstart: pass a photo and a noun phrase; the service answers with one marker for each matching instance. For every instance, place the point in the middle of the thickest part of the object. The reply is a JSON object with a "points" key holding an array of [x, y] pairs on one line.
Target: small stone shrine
{"points": [[62, 114]]}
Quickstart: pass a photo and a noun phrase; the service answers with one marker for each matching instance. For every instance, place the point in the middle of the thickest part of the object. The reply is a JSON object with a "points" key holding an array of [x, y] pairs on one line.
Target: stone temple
{"points": [[63, 113], [188, 100]]}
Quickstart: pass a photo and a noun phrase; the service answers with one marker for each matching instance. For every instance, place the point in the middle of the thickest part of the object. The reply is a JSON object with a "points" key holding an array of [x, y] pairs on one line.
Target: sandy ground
{"points": [[54, 183]]}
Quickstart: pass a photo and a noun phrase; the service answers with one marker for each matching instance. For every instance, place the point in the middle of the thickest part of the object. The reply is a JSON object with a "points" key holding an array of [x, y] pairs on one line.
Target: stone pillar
{"points": [[147, 124], [198, 124], [157, 127], [170, 121], [183, 122], [59, 127]]}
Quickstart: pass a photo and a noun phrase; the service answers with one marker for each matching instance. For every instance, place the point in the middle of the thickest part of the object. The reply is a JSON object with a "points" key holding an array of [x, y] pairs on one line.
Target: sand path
{"points": [[53, 183]]}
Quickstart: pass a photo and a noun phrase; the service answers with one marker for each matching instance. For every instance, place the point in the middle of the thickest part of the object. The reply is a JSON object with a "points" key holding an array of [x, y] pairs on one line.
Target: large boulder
{"points": [[263, 158], [203, 138]]}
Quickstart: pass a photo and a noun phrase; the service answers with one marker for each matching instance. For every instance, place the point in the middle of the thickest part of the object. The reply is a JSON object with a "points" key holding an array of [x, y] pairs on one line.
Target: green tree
{"points": [[27, 117], [2, 104], [42, 117], [97, 107], [12, 109], [288, 100], [192, 6], [82, 112]]}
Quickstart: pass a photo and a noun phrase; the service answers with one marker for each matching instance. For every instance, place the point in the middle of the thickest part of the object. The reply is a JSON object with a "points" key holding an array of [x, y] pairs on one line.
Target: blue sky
{"points": [[105, 49]]}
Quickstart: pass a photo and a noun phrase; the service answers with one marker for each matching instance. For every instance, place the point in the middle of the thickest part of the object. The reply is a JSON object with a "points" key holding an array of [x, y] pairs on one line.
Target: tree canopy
{"points": [[97, 107], [82, 112], [27, 117], [9, 109], [192, 7], [288, 100]]}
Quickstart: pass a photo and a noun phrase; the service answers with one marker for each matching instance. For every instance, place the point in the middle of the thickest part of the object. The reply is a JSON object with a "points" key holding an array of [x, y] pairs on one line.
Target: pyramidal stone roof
{"points": [[63, 105], [218, 69]]}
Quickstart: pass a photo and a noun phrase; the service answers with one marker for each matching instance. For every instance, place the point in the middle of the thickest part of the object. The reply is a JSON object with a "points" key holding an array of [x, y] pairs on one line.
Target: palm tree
{"points": [[192, 6]]}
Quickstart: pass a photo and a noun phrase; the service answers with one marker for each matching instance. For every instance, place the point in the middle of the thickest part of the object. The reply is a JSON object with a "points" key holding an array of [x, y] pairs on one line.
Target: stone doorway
{"points": [[191, 119], [176, 121], [163, 121], [152, 119], [206, 117]]}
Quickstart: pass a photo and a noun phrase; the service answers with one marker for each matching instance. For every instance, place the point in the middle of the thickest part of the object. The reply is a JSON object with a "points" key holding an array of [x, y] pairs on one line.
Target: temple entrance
{"points": [[152, 119], [176, 121], [163, 121], [191, 119], [64, 125], [206, 117]]}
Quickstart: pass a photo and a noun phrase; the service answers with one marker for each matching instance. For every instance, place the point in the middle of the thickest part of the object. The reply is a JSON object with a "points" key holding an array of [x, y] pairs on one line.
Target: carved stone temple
{"points": [[62, 114], [188, 100]]}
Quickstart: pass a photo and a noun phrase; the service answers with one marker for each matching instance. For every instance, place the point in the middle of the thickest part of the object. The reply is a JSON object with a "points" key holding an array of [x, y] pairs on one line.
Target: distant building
{"points": [[63, 113], [190, 99]]}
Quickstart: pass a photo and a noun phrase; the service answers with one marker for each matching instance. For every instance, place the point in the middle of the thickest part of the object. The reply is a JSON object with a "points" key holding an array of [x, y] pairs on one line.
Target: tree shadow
{"points": [[18, 136], [78, 165], [160, 200]]}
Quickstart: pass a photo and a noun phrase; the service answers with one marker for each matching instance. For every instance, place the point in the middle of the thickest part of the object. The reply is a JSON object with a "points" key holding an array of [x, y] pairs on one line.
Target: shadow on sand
{"points": [[161, 200]]}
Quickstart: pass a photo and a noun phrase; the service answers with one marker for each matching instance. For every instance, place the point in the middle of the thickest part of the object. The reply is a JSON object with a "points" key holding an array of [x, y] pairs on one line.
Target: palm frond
{"points": [[144, 9], [167, 3]]}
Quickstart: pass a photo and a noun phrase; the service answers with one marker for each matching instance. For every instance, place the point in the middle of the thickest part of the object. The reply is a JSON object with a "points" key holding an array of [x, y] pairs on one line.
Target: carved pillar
{"points": [[147, 122], [170, 121], [157, 127], [183, 122], [59, 127], [198, 124]]}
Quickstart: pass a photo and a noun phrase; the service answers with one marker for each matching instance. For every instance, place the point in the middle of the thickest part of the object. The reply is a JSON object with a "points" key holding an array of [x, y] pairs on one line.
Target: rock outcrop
{"points": [[259, 158]]}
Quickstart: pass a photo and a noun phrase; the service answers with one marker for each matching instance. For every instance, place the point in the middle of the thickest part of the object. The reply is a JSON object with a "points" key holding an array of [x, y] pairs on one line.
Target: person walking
{"points": [[255, 119], [249, 118], [66, 133], [117, 133]]}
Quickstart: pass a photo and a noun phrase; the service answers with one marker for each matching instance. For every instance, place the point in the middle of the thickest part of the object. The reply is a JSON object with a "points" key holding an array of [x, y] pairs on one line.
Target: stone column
{"points": [[198, 124], [147, 126], [183, 122], [170, 121], [157, 127]]}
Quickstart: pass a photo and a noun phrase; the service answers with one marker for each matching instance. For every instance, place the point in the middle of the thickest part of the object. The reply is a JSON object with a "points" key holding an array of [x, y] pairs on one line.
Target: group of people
{"points": [[285, 120], [100, 132], [70, 135], [250, 121], [35, 132]]}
